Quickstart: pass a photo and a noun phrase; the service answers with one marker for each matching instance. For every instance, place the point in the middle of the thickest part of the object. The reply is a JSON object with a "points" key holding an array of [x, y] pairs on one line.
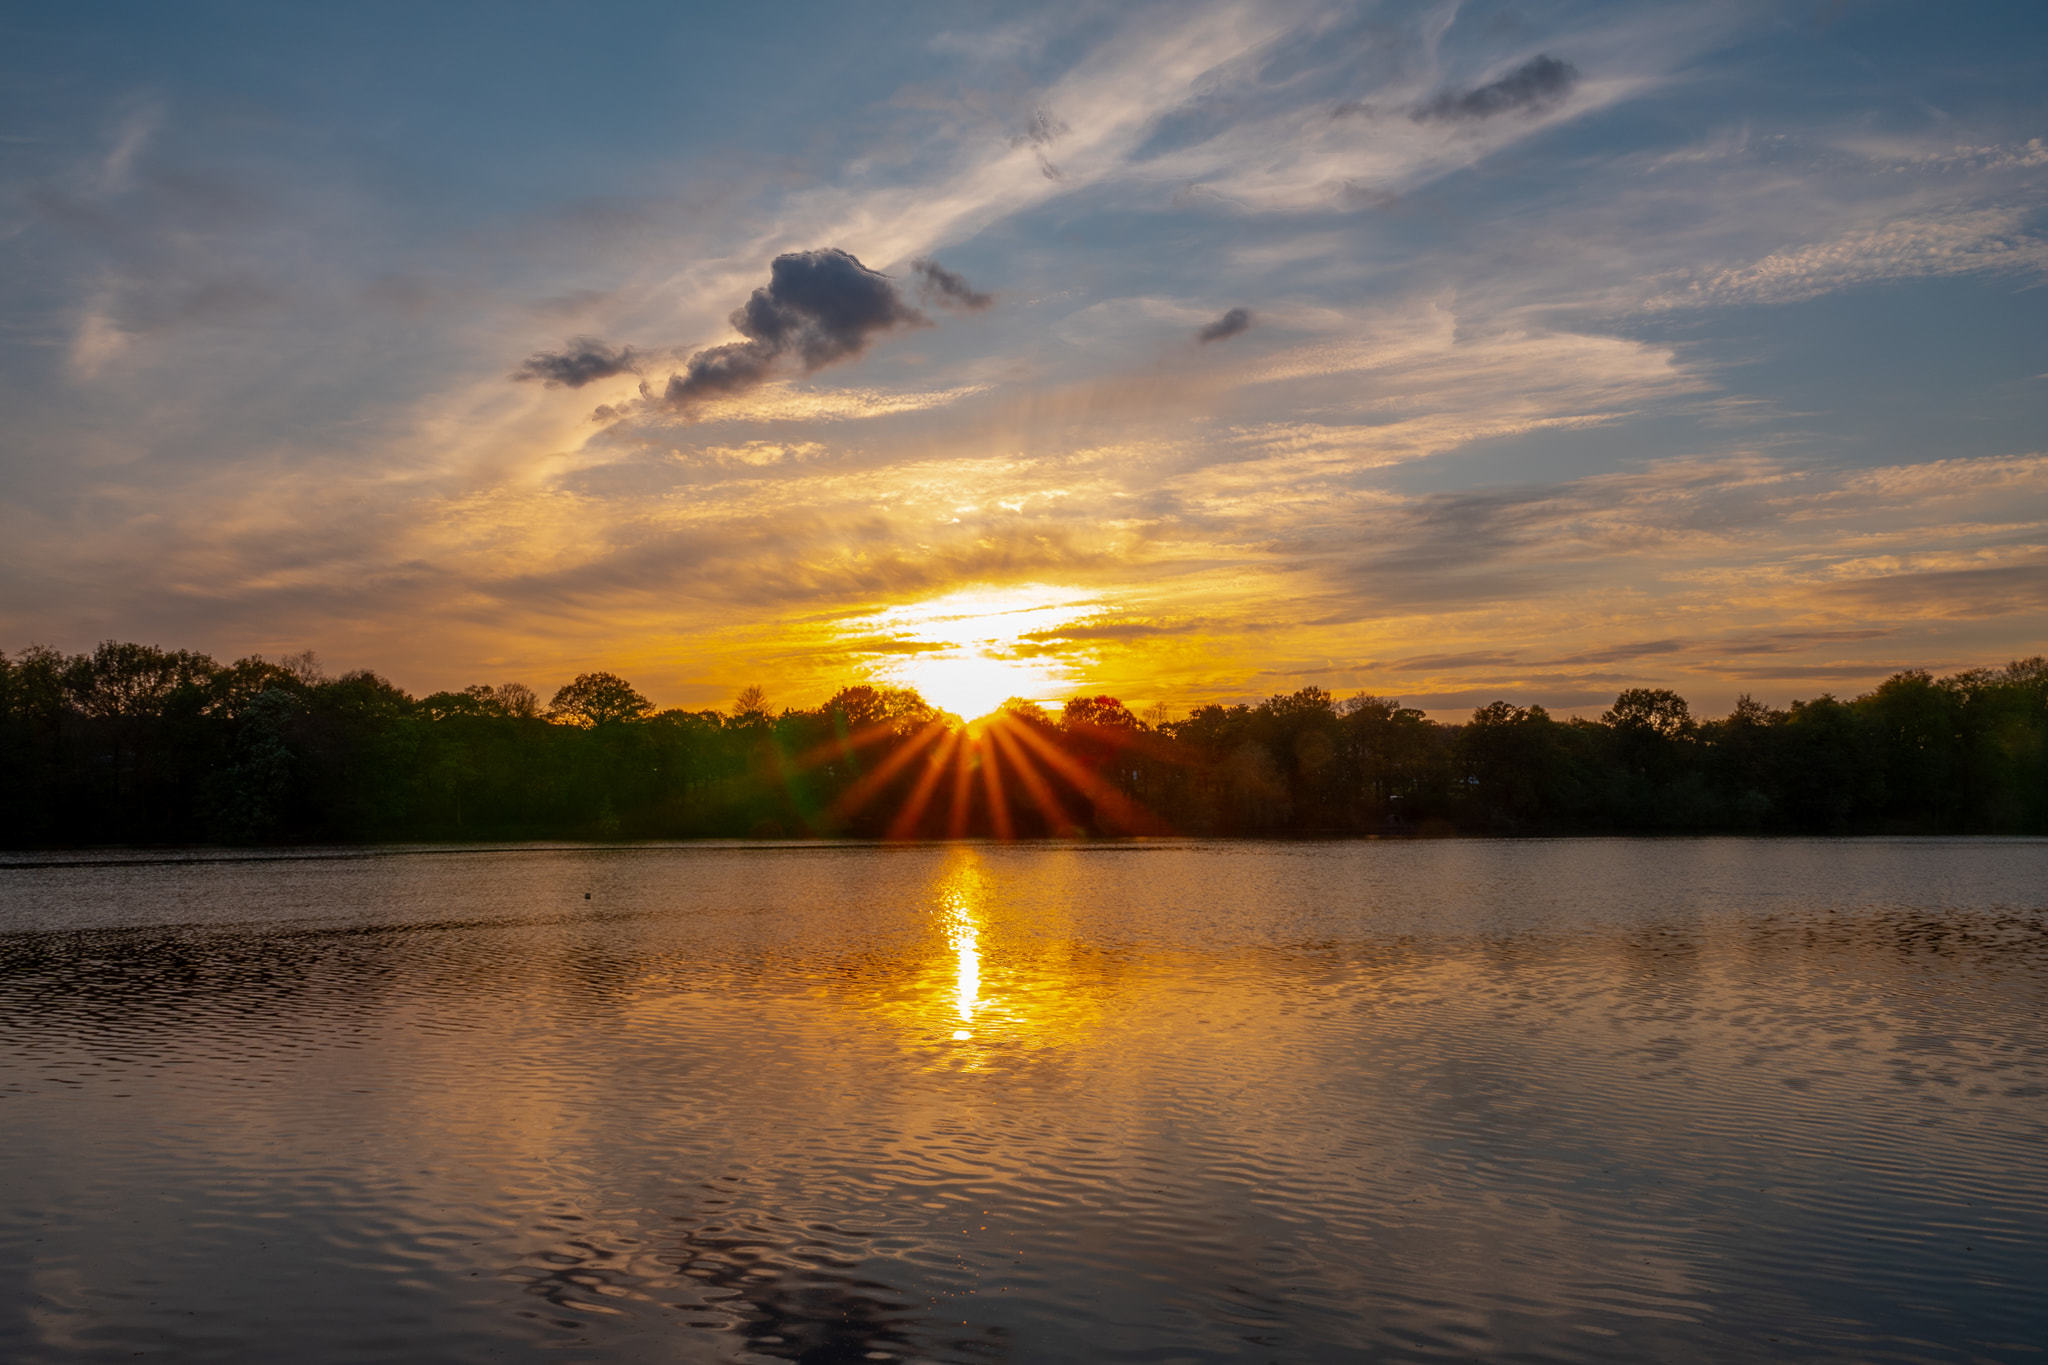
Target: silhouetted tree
{"points": [[751, 705], [1657, 710], [135, 743], [134, 680], [1101, 713], [597, 699], [1518, 770]]}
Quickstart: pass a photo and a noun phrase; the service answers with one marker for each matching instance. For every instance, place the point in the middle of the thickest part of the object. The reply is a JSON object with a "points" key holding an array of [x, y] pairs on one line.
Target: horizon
{"points": [[311, 670], [1180, 355]]}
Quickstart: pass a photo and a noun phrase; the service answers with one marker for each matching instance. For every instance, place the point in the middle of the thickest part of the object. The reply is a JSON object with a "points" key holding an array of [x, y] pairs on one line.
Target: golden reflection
{"points": [[981, 969], [960, 895]]}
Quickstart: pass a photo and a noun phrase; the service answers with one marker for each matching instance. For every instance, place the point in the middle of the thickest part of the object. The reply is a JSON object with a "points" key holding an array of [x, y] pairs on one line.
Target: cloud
{"points": [[1788, 641], [1457, 323], [1960, 242], [818, 307], [1107, 630], [1044, 129], [761, 454], [583, 360], [1624, 653], [1535, 85], [896, 644], [740, 562], [947, 289], [1951, 594], [1229, 325], [781, 401], [130, 139], [1437, 663], [1871, 673]]}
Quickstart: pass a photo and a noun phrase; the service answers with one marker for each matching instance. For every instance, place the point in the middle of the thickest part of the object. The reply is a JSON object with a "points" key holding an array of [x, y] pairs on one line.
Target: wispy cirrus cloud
{"points": [[1959, 242]]}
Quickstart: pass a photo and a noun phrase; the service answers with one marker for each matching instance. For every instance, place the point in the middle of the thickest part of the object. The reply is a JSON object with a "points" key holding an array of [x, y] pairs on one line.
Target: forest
{"points": [[135, 745]]}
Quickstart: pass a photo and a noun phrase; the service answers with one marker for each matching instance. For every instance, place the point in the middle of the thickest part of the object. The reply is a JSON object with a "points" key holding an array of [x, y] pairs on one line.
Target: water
{"points": [[1576, 1101]]}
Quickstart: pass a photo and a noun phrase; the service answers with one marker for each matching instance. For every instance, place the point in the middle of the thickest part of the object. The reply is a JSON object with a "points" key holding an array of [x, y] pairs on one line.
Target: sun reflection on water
{"points": [[958, 898]]}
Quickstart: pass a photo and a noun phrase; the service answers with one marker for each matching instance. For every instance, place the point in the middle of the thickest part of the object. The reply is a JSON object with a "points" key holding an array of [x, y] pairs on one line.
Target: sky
{"points": [[1183, 353]]}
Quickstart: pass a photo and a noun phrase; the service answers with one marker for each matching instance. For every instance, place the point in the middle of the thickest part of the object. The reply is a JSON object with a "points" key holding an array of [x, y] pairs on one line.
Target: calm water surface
{"points": [[1575, 1101]]}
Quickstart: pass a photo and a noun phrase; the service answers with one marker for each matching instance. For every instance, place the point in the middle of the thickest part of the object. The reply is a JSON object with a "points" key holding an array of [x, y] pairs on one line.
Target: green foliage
{"points": [[137, 744]]}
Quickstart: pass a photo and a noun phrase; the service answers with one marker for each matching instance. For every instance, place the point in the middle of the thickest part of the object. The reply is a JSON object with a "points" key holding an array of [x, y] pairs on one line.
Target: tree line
{"points": [[132, 744]]}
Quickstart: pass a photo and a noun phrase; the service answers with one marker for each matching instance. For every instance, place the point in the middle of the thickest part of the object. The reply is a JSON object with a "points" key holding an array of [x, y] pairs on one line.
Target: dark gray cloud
{"points": [[1870, 674], [1616, 654], [1039, 644], [818, 307], [1787, 641], [1229, 325], [1043, 129], [1949, 594], [584, 360], [1435, 663], [1536, 84], [947, 289]]}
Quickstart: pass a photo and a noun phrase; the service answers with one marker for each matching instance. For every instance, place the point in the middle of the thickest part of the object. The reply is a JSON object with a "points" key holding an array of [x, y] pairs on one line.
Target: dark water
{"points": [[1581, 1101]]}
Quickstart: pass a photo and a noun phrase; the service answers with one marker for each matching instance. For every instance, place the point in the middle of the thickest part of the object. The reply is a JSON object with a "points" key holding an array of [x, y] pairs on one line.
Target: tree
{"points": [[1516, 767], [598, 699], [1914, 723], [1656, 709], [751, 705], [134, 680], [1653, 780], [470, 701], [863, 706], [517, 700], [1743, 753], [1106, 713], [132, 744], [1028, 712], [34, 685], [236, 687]]}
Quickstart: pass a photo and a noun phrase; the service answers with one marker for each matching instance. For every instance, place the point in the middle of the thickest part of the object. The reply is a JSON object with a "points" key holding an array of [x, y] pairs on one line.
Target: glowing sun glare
{"points": [[970, 684], [968, 642]]}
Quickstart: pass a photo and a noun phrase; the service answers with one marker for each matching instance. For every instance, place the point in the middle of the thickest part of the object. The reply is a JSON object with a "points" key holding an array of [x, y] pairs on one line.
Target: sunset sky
{"points": [[1185, 353]]}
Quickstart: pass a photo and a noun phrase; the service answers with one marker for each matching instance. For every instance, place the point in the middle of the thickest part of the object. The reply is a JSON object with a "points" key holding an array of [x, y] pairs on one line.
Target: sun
{"points": [[970, 684], [971, 650]]}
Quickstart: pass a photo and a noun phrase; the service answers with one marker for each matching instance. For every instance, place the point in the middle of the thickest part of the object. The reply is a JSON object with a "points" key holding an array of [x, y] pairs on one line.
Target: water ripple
{"points": [[1572, 1101]]}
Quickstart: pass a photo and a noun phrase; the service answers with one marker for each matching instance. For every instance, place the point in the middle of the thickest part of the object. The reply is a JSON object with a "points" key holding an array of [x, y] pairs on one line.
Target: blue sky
{"points": [[1583, 345]]}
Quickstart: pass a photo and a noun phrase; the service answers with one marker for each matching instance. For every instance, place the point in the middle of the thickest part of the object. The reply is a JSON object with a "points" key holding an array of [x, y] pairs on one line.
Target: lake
{"points": [[1576, 1100]]}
